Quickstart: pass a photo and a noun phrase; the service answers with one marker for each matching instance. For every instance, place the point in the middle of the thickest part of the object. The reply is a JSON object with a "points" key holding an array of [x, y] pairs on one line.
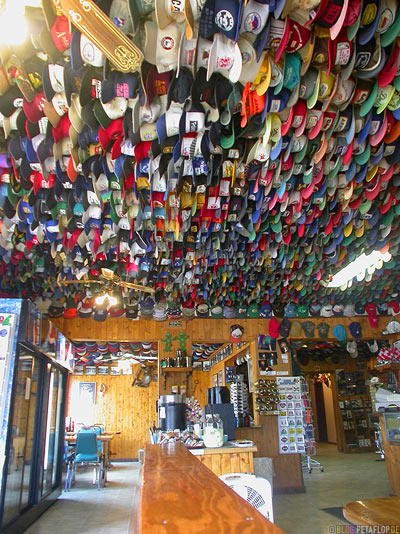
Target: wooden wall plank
{"points": [[122, 407], [198, 330]]}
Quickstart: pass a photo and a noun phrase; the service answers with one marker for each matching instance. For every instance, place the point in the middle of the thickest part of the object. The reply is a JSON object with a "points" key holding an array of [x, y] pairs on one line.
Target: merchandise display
{"points": [[296, 431], [246, 154], [239, 393], [267, 396], [355, 421]]}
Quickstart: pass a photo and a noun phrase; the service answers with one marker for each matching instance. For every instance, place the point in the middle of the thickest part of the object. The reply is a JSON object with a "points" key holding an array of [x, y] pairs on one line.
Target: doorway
{"points": [[323, 408]]}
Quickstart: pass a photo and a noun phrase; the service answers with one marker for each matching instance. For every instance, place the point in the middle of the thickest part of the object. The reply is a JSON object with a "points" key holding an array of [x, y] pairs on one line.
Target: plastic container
{"points": [[213, 434]]}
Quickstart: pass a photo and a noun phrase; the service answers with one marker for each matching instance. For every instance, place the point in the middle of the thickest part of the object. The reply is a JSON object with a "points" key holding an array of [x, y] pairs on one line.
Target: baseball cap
{"points": [[225, 57], [323, 330], [273, 327], [339, 332], [355, 329]]}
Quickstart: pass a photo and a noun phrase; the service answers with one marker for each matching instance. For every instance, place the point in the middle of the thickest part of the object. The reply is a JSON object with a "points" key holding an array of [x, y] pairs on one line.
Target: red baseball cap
{"points": [[273, 328]]}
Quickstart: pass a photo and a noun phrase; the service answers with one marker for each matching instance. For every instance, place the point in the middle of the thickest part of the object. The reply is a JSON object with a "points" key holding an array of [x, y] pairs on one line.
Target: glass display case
{"points": [[392, 426]]}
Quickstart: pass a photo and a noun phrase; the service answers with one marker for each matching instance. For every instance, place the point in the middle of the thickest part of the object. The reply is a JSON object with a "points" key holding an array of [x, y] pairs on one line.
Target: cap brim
{"points": [[335, 29], [161, 15]]}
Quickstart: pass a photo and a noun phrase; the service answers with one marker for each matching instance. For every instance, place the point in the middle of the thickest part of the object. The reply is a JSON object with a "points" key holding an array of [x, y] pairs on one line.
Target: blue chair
{"points": [[69, 456], [98, 431], [87, 453]]}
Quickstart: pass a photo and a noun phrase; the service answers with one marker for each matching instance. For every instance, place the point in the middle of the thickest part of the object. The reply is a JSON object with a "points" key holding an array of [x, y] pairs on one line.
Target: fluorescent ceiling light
{"points": [[357, 268]]}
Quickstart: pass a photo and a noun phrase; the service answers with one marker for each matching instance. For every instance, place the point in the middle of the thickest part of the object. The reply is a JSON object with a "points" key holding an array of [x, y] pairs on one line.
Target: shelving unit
{"points": [[355, 420], [176, 369], [175, 376], [353, 412], [234, 354]]}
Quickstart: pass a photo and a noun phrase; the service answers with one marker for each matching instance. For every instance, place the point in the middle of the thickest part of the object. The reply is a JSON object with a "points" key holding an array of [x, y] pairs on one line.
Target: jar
{"points": [[213, 432]]}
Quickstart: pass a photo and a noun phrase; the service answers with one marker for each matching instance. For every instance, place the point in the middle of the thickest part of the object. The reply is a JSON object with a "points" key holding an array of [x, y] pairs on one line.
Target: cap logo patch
{"points": [[176, 6], [362, 60], [224, 62], [224, 20], [119, 22], [252, 22], [167, 43], [332, 14], [246, 57], [122, 90], [342, 53]]}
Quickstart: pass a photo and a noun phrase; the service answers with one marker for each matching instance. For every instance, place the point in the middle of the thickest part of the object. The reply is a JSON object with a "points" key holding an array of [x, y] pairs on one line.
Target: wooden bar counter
{"points": [[179, 495], [227, 459], [392, 460]]}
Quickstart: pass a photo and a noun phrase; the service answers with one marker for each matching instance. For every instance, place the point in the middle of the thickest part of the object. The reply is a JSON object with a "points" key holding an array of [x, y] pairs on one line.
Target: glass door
{"points": [[52, 425], [19, 469]]}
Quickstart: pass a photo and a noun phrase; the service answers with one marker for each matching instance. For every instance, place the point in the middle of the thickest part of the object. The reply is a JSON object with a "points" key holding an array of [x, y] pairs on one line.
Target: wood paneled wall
{"points": [[198, 330], [132, 410], [123, 407]]}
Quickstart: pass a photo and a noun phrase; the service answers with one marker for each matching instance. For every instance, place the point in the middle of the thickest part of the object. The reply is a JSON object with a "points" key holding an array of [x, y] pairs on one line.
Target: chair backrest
{"points": [[86, 446], [98, 431]]}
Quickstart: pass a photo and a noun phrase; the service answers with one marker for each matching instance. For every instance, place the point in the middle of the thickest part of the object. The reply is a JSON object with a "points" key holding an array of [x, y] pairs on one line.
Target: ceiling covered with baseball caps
{"points": [[254, 154]]}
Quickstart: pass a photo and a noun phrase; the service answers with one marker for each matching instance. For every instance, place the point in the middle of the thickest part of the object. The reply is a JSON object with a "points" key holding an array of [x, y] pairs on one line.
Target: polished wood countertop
{"points": [[179, 495], [225, 449], [374, 512]]}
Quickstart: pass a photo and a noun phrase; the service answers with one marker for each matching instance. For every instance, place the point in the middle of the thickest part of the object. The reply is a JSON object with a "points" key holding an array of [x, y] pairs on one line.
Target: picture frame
{"points": [[102, 369], [90, 370], [115, 371], [78, 370], [220, 377], [215, 380], [87, 392], [206, 365]]}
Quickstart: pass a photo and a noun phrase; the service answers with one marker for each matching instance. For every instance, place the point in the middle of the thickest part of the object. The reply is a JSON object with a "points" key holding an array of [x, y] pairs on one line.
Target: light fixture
{"points": [[100, 299], [14, 27], [358, 268]]}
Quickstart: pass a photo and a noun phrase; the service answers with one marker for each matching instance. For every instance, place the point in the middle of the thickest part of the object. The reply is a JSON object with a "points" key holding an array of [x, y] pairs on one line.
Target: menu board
{"points": [[294, 420]]}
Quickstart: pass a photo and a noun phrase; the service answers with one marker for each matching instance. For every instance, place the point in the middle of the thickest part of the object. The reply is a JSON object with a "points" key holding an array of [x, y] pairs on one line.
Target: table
{"points": [[179, 494], [227, 459], [373, 512], [106, 439]]}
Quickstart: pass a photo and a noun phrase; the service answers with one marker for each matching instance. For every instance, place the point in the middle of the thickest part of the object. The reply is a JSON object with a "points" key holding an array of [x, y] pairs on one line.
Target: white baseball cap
{"points": [[90, 53], [225, 57], [250, 65]]}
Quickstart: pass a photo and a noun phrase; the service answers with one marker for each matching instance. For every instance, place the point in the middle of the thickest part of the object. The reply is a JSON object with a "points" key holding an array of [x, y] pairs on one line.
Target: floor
{"points": [[85, 510], [346, 477]]}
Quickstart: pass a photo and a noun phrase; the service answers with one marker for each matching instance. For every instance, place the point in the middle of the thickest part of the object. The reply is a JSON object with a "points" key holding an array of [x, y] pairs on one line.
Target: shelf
{"points": [[176, 369], [387, 367], [233, 354]]}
